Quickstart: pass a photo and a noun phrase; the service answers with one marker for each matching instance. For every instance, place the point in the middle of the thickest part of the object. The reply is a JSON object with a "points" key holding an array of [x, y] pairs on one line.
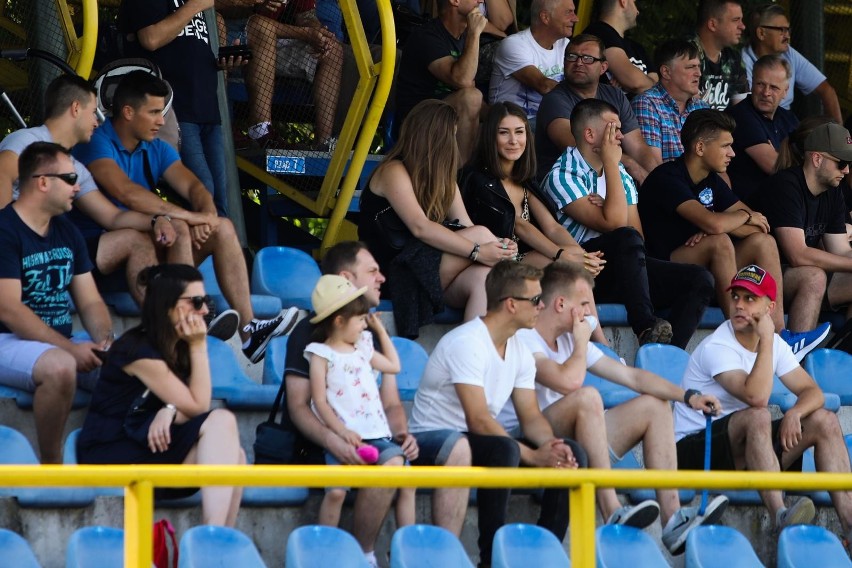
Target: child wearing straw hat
{"points": [[344, 387]]}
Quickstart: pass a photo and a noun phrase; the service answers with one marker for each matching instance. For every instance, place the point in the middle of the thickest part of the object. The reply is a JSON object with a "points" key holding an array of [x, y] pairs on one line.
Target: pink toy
{"points": [[370, 454]]}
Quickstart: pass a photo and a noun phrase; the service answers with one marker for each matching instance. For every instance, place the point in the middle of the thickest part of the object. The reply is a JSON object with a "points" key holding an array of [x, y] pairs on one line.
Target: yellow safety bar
{"points": [[139, 482]]}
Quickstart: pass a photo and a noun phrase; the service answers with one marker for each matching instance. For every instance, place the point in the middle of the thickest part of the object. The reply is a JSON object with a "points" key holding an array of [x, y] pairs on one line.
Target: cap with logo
{"points": [[832, 139], [756, 280]]}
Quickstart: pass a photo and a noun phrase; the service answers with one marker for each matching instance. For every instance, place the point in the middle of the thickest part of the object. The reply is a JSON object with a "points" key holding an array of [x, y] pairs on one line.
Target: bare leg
{"points": [[468, 104], [761, 249], [579, 415], [260, 72], [449, 504], [405, 506], [130, 248], [647, 419], [327, 90], [715, 253], [181, 250], [840, 291], [55, 378], [804, 287], [463, 281], [332, 504], [750, 434], [371, 507]]}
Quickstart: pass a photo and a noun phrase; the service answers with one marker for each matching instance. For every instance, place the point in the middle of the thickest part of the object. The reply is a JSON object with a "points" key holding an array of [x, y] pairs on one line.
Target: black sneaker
{"points": [[264, 330], [224, 326]]}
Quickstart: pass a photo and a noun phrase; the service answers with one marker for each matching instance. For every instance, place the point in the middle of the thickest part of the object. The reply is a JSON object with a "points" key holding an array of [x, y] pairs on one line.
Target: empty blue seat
{"points": [[616, 315], [274, 361], [413, 359], [831, 368], [803, 546], [785, 399], [286, 273], [667, 361], [213, 547], [521, 545], [95, 546], [425, 546], [231, 384], [618, 546], [274, 496], [264, 306], [612, 394], [629, 461], [15, 551], [716, 545], [315, 546]]}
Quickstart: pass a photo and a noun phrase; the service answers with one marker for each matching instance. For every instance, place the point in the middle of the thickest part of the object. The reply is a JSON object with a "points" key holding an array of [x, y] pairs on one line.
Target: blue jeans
{"points": [[201, 151]]}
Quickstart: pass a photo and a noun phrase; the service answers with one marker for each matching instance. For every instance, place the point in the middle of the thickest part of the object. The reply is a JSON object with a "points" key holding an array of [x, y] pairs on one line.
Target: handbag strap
{"points": [[276, 405]]}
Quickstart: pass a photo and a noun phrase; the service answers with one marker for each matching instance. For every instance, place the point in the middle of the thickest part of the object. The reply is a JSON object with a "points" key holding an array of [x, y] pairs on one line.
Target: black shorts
{"points": [[690, 449], [92, 246]]}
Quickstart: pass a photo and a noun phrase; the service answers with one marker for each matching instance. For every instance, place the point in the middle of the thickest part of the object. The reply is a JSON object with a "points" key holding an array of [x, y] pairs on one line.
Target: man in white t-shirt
{"points": [[472, 374], [738, 363], [530, 63], [563, 353]]}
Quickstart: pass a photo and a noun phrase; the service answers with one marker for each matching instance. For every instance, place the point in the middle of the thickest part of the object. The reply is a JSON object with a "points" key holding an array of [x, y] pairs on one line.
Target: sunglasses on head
{"points": [[70, 178], [198, 302]]}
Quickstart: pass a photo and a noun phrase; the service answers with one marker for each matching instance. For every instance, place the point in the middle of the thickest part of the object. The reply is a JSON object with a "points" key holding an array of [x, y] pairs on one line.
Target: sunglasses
{"points": [[783, 29], [198, 302], [586, 59], [841, 164], [534, 300], [70, 179]]}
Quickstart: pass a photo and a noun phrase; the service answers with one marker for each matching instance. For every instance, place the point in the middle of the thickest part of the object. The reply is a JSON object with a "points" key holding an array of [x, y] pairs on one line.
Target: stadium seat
{"points": [[69, 457], [803, 546], [719, 546], [785, 399], [15, 551], [231, 384], [611, 393], [629, 461], [264, 306], [413, 359], [618, 546], [315, 546], [667, 361], [423, 546], [831, 368], [615, 315], [208, 546], [286, 273], [95, 546], [520, 545], [274, 361]]}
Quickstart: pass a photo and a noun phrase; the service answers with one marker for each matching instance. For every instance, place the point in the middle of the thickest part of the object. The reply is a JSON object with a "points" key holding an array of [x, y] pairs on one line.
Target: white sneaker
{"points": [[637, 516], [687, 518]]}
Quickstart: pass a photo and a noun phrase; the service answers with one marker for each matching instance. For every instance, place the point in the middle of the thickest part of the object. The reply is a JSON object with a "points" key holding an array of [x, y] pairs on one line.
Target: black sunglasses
{"points": [[782, 29], [841, 164], [198, 302], [70, 179], [586, 59], [534, 300]]}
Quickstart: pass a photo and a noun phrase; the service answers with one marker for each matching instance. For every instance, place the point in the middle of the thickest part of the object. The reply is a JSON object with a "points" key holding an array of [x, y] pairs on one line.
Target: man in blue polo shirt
{"points": [[127, 162]]}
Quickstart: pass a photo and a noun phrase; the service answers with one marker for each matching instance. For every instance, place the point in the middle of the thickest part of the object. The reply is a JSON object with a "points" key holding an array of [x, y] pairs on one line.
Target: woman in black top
{"points": [[151, 404]]}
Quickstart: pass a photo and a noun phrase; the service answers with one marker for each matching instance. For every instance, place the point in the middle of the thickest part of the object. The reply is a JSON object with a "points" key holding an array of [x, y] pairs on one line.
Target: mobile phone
{"points": [[227, 51]]}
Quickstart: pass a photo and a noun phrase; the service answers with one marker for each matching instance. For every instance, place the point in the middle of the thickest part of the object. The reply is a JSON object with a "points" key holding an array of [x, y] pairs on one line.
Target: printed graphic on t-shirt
{"points": [[705, 196], [714, 92], [45, 277], [197, 26]]}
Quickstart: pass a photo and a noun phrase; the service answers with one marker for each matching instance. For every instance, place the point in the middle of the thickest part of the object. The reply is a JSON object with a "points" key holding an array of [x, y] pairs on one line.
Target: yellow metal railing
{"points": [[139, 483]]}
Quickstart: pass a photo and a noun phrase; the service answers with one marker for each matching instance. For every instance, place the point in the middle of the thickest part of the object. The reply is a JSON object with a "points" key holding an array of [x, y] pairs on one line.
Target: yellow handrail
{"points": [[139, 482]]}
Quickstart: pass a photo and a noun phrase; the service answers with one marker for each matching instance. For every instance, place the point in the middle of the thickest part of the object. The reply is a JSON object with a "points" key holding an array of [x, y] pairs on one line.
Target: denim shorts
{"points": [[435, 446], [388, 449]]}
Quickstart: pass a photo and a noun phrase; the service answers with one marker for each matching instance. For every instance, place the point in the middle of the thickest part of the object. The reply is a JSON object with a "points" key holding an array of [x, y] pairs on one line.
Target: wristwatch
{"points": [[689, 394], [154, 218]]}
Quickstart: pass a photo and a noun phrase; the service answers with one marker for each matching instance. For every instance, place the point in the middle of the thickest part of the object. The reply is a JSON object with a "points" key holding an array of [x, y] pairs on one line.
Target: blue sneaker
{"points": [[804, 342]]}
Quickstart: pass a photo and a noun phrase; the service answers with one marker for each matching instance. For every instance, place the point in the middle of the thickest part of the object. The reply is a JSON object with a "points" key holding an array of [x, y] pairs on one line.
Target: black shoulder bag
{"points": [[275, 442]]}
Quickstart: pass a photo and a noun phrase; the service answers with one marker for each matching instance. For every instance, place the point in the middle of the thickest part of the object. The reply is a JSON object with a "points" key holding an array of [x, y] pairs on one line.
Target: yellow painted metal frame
{"points": [[139, 483], [359, 127]]}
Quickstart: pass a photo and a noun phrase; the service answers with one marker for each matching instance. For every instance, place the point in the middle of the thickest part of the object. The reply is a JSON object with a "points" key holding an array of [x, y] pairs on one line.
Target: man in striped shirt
{"points": [[597, 202]]}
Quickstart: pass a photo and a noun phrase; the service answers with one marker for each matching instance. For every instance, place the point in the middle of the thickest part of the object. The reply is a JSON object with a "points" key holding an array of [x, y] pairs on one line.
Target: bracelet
{"points": [[689, 394], [155, 217], [173, 408], [747, 213], [558, 254], [474, 253]]}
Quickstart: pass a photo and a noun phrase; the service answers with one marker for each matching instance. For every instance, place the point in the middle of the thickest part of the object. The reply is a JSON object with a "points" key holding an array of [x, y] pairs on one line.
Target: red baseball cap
{"points": [[756, 280]]}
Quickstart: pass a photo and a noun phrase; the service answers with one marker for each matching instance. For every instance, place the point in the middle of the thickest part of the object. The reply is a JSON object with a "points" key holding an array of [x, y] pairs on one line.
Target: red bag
{"points": [[163, 533]]}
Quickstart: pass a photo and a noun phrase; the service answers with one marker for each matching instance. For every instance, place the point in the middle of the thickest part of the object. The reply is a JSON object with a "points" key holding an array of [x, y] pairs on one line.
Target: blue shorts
{"points": [[435, 446], [388, 449]]}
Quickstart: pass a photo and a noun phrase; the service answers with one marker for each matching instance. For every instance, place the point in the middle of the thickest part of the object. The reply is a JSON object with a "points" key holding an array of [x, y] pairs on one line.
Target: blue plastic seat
{"points": [[803, 546], [612, 394], [629, 461], [212, 547], [286, 273], [413, 358], [264, 306], [521, 545], [95, 546], [719, 546], [15, 551], [123, 304], [616, 315], [315, 546], [275, 360], [785, 399], [618, 546], [424, 546], [69, 457], [231, 384], [830, 368], [274, 496], [667, 361]]}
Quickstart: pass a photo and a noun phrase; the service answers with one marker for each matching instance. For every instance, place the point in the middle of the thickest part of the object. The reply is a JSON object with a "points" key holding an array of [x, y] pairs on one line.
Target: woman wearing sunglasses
{"points": [[151, 404]]}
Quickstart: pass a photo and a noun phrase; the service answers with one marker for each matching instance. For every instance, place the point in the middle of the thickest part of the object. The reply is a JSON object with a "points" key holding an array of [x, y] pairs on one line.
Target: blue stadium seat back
{"points": [[718, 546], [667, 361], [743, 497], [69, 457], [123, 304], [15, 551], [520, 545], [422, 546], [274, 361], [831, 368], [785, 399], [264, 306], [712, 318], [207, 546], [612, 315], [611, 393], [95, 546], [314, 546], [413, 359], [629, 461], [449, 316], [274, 496], [821, 498], [227, 376], [287, 273], [803, 546], [617, 546]]}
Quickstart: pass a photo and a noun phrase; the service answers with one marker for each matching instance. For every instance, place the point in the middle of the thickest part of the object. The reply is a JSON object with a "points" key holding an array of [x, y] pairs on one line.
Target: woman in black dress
{"points": [[151, 404]]}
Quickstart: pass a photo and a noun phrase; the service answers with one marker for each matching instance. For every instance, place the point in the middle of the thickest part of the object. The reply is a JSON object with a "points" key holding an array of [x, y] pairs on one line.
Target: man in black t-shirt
{"points": [[720, 26], [43, 258], [807, 212], [691, 215], [354, 262], [439, 61]]}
